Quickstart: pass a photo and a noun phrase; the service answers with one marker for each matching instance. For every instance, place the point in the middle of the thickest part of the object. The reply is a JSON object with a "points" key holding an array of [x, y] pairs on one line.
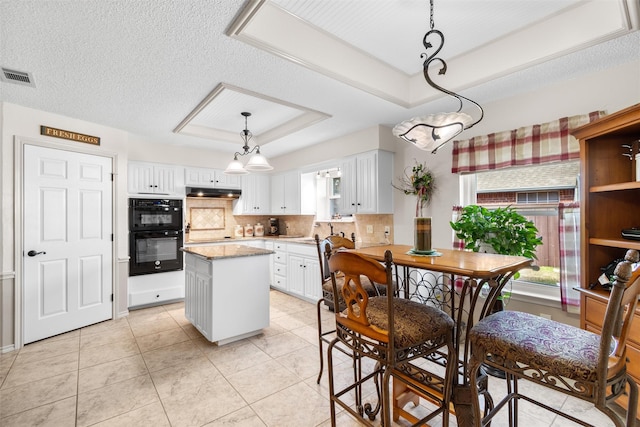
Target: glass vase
{"points": [[422, 240]]}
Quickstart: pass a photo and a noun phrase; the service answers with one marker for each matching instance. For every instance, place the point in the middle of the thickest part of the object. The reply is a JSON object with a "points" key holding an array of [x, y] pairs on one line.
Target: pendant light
{"points": [[434, 130], [257, 162]]}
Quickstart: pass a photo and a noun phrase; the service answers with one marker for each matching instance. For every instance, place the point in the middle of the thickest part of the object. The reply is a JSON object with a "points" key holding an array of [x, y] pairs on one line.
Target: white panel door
{"points": [[67, 259]]}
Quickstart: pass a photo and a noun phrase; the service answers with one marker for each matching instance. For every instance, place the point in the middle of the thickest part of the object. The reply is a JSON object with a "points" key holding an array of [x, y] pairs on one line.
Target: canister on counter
{"points": [[258, 230], [248, 230], [238, 231]]}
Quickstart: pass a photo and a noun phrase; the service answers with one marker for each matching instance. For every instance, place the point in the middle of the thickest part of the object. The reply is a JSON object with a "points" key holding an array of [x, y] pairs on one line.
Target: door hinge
{"points": [[113, 176], [112, 237], [111, 297]]}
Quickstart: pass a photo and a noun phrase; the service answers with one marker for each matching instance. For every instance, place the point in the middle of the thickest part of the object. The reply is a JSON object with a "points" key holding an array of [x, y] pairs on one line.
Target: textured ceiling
{"points": [[147, 66]]}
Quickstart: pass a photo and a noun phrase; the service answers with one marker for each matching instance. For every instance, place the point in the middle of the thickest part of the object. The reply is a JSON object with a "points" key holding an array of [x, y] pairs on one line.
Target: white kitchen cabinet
{"points": [[255, 196], [148, 289], [366, 183], [303, 272], [279, 278], [285, 193], [219, 288], [155, 178], [223, 180], [210, 178]]}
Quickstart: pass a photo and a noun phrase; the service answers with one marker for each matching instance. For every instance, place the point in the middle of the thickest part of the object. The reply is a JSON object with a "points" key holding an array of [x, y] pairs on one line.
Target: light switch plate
{"points": [[370, 229]]}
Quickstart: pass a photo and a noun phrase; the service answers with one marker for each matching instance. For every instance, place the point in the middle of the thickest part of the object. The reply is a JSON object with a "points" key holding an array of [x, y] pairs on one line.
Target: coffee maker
{"points": [[273, 227]]}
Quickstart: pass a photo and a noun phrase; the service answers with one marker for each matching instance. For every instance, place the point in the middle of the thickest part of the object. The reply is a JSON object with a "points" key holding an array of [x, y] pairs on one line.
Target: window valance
{"points": [[528, 145]]}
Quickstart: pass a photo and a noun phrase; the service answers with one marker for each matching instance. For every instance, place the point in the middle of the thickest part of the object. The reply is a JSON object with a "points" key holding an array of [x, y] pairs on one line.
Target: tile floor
{"points": [[153, 368]]}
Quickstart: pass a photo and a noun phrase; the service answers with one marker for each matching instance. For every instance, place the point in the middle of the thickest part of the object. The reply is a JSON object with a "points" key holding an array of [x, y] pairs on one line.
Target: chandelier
{"points": [[257, 162], [434, 130]]}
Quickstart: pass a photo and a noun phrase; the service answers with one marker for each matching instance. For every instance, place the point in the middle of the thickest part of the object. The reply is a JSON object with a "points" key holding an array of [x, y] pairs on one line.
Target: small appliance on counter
{"points": [[273, 227]]}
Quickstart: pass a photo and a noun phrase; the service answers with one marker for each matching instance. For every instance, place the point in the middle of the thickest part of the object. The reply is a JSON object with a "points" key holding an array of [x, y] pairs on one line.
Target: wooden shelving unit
{"points": [[610, 202]]}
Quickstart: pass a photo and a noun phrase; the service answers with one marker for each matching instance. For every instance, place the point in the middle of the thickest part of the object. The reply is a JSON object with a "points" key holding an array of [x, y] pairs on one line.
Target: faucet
{"points": [[331, 227]]}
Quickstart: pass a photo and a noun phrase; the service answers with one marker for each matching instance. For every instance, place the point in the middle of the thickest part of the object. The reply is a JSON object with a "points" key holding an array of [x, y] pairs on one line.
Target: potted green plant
{"points": [[504, 230]]}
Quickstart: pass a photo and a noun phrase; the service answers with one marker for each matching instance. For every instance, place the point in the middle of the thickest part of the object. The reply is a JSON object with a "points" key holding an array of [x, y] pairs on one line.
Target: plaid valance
{"points": [[528, 145]]}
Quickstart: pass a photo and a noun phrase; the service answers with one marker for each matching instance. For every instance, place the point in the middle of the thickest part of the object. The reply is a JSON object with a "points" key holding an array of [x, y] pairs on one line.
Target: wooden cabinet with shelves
{"points": [[610, 202]]}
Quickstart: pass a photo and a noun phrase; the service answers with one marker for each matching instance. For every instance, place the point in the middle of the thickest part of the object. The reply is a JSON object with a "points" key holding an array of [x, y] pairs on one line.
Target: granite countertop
{"points": [[284, 238], [214, 252]]}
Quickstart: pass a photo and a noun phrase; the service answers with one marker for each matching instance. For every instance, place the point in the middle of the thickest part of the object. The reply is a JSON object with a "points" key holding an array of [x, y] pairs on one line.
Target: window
{"points": [[535, 192]]}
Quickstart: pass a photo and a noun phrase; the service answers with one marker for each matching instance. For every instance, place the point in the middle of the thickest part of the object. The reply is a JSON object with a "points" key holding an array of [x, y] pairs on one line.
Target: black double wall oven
{"points": [[155, 236]]}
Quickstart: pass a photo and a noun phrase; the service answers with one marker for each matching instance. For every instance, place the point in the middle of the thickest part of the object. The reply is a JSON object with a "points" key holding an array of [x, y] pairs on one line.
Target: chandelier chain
{"points": [[431, 21]]}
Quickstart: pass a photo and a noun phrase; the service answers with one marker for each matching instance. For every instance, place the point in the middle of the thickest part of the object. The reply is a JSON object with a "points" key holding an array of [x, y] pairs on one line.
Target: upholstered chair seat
{"points": [[569, 360], [414, 322], [556, 347]]}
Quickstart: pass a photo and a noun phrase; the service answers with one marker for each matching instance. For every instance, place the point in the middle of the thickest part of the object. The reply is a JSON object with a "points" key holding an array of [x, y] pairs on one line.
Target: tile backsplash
{"points": [[212, 219]]}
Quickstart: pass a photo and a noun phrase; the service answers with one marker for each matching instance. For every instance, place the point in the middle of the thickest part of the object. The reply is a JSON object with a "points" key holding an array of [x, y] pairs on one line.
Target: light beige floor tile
{"points": [[147, 315], [192, 332], [107, 353], [294, 406], [31, 395], [288, 322], [151, 415], [48, 348], [161, 339], [184, 378], [278, 345], [57, 414], [108, 336], [262, 380], [22, 373], [309, 333], [178, 315], [104, 374], [172, 355], [106, 326], [150, 327], [115, 399], [272, 329], [205, 403], [235, 357], [302, 362], [244, 417]]}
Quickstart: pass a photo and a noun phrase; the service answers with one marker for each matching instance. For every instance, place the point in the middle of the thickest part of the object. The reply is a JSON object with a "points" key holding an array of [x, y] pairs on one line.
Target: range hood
{"points": [[221, 193]]}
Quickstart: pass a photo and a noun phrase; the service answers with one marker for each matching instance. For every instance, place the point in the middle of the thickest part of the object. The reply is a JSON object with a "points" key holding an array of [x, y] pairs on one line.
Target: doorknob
{"points": [[34, 253]]}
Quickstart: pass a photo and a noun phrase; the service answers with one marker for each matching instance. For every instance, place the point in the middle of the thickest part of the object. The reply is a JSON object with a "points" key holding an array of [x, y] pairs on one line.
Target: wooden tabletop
{"points": [[464, 263]]}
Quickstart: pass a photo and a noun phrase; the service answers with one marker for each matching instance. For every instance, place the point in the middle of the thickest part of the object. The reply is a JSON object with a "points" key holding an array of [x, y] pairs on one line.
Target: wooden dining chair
{"points": [[333, 243], [391, 331], [573, 361]]}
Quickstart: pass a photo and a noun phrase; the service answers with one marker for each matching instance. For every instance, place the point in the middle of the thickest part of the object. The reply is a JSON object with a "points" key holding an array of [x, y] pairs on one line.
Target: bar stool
{"points": [[566, 359], [391, 331], [334, 243]]}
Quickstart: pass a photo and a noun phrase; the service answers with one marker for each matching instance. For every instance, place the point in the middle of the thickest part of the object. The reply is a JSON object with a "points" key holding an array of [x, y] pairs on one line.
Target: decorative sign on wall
{"points": [[73, 136]]}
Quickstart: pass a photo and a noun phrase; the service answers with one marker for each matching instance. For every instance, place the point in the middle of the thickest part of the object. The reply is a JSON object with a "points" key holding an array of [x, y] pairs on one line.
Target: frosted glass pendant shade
{"points": [[258, 162], [235, 168]]}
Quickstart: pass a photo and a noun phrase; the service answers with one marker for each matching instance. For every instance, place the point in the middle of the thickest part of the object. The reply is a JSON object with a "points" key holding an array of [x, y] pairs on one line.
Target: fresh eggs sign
{"points": [[73, 136]]}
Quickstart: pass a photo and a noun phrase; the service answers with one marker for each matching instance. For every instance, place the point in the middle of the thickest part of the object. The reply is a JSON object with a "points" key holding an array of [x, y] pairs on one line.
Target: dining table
{"points": [[467, 285]]}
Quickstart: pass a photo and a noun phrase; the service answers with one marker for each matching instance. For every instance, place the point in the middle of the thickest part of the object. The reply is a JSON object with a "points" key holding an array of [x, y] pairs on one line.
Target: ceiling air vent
{"points": [[18, 77]]}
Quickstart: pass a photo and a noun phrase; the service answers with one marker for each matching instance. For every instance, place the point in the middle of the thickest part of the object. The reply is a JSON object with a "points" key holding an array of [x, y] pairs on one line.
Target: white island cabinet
{"points": [[227, 291]]}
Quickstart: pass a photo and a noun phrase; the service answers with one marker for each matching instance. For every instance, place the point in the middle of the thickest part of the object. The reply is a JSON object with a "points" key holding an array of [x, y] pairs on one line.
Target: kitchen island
{"points": [[227, 291]]}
